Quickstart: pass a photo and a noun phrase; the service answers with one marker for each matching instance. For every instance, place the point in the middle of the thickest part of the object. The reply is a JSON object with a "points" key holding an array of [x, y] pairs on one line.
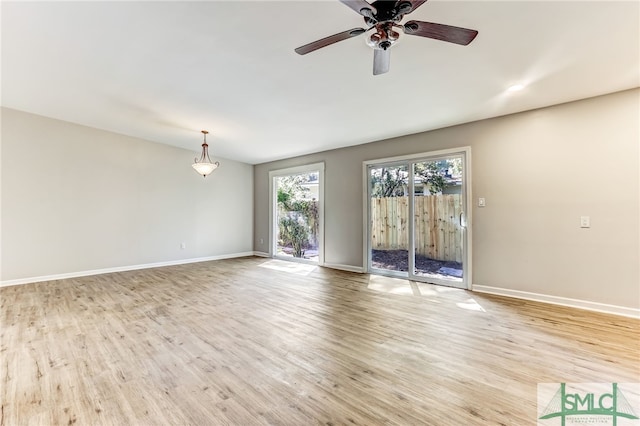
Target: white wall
{"points": [[76, 199], [539, 172]]}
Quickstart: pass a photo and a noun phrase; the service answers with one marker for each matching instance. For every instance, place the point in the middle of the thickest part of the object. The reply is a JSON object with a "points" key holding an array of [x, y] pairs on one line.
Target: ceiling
{"points": [[163, 71]]}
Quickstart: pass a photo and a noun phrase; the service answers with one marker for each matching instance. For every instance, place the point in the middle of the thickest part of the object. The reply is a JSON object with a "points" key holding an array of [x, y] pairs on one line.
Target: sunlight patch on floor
{"points": [[291, 267], [405, 287], [470, 305], [427, 289], [390, 285]]}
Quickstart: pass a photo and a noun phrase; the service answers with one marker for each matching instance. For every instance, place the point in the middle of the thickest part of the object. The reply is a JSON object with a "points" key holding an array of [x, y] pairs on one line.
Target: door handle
{"points": [[463, 221]]}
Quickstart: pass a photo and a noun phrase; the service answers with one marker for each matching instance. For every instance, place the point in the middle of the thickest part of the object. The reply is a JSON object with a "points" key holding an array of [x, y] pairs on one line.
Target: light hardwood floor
{"points": [[255, 341]]}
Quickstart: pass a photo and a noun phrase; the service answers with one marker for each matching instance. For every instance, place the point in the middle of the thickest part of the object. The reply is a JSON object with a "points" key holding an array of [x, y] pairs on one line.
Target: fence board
{"points": [[438, 234]]}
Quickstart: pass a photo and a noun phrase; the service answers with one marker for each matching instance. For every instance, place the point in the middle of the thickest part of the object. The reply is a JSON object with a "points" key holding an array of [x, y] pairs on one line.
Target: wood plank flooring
{"points": [[254, 341]]}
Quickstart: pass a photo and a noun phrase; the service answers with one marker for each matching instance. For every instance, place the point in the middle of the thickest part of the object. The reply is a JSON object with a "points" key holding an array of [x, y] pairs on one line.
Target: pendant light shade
{"points": [[204, 166]]}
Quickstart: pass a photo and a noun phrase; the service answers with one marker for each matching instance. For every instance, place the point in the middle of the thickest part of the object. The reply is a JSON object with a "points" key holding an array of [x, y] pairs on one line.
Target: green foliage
{"points": [[294, 232], [394, 181], [435, 173], [298, 214], [290, 189], [283, 197], [388, 182]]}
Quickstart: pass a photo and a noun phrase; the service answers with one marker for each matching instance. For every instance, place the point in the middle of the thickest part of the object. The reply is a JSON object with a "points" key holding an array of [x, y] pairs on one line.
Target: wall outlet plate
{"points": [[585, 222]]}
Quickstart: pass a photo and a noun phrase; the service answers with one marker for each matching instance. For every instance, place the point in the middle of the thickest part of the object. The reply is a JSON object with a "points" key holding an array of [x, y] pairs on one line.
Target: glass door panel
{"points": [[388, 219], [297, 221], [438, 215]]}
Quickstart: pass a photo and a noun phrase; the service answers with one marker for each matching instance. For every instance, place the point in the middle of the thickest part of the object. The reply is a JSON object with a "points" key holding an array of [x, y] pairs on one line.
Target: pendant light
{"points": [[204, 166]]}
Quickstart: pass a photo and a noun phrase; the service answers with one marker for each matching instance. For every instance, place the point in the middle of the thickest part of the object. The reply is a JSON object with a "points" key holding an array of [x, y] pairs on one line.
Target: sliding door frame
{"points": [[273, 199], [465, 152]]}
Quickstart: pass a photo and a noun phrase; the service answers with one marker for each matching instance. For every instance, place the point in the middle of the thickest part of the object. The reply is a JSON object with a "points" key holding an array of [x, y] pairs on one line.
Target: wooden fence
{"points": [[438, 234]]}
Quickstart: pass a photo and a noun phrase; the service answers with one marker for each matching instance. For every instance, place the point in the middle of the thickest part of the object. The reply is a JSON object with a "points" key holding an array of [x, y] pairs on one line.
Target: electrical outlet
{"points": [[261, 240], [481, 202], [585, 222], [183, 246]]}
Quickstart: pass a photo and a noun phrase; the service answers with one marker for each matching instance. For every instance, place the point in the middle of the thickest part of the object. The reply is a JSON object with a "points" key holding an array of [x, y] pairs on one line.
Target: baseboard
{"points": [[120, 269], [563, 301], [261, 254], [341, 267]]}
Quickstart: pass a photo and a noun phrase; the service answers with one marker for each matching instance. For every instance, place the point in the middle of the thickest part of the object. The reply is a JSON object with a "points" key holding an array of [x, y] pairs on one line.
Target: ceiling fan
{"points": [[383, 16]]}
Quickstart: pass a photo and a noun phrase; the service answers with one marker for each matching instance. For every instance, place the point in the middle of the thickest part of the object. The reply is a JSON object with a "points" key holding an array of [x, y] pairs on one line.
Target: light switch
{"points": [[481, 202], [585, 222]]}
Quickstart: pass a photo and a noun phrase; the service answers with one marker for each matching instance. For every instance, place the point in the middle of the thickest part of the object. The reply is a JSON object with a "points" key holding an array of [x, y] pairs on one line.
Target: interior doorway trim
{"points": [[273, 200], [467, 174]]}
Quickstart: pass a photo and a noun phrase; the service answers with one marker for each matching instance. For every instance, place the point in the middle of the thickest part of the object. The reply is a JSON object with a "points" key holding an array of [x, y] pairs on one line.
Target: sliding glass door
{"points": [[416, 224]]}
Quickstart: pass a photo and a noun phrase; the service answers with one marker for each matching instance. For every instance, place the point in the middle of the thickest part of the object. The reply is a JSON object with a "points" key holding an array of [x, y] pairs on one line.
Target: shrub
{"points": [[294, 232]]}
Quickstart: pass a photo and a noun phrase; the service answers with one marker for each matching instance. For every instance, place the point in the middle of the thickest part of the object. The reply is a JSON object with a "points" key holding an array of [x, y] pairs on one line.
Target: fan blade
{"points": [[381, 60], [361, 7], [303, 50], [442, 32], [414, 4]]}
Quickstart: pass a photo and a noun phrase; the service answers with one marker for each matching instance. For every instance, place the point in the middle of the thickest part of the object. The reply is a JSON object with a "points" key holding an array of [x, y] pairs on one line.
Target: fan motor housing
{"points": [[389, 11]]}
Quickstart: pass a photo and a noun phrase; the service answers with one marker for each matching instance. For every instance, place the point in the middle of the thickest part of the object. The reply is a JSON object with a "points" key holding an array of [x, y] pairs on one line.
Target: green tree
{"points": [[394, 181], [436, 174], [291, 188], [388, 182]]}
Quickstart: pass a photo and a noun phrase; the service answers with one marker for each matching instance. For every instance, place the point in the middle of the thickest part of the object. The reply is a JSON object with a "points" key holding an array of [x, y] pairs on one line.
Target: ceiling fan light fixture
{"points": [[383, 38], [204, 166], [373, 40]]}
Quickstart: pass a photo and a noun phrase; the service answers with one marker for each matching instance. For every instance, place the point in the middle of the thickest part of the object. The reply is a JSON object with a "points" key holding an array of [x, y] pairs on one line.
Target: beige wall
{"points": [[539, 172], [75, 198]]}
